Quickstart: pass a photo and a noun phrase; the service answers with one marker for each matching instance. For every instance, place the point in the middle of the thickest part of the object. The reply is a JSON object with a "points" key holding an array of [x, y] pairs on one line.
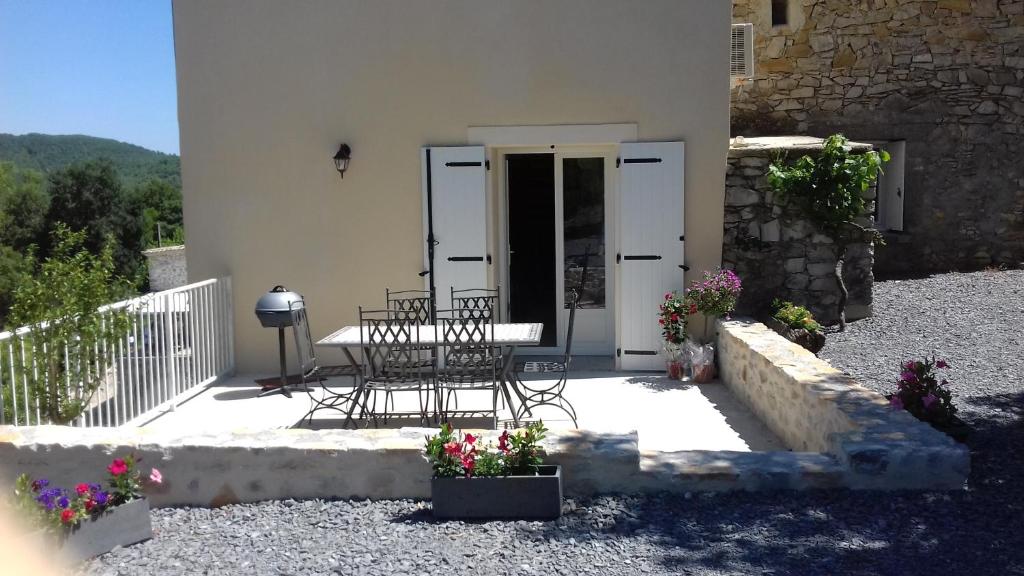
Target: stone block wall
{"points": [[947, 76], [776, 252], [814, 407], [167, 267]]}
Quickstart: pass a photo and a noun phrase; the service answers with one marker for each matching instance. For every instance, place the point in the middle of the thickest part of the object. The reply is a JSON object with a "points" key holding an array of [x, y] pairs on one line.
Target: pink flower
{"points": [[156, 477], [908, 365], [503, 441], [896, 402], [470, 439], [929, 401], [453, 448], [941, 364], [117, 467], [668, 296], [908, 377], [82, 489]]}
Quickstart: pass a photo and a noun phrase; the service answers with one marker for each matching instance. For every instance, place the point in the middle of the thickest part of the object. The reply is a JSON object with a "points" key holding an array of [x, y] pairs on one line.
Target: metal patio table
{"points": [[508, 336]]}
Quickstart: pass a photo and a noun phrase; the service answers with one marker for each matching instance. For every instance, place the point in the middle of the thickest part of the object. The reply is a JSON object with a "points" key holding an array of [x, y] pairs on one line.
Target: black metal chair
{"points": [[541, 392], [471, 361], [393, 361], [311, 371], [415, 305], [474, 302]]}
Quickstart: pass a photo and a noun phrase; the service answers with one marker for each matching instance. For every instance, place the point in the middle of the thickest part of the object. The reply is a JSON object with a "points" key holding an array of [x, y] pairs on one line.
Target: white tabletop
{"points": [[504, 335]]}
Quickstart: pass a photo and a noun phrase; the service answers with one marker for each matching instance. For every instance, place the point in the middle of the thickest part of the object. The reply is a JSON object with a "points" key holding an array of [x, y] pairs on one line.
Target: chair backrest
{"points": [[574, 300], [467, 339], [415, 305], [477, 302], [389, 342], [303, 340]]}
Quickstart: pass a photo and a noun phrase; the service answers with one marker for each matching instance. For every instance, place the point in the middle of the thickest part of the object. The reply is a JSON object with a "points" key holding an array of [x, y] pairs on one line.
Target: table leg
{"points": [[358, 391], [506, 382]]}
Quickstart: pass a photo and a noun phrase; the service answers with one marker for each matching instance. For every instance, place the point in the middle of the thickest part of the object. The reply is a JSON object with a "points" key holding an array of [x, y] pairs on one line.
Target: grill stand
{"points": [[283, 387]]}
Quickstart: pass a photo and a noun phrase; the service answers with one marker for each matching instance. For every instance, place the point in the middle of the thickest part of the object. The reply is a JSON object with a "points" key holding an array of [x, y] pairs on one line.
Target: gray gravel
{"points": [[973, 320]]}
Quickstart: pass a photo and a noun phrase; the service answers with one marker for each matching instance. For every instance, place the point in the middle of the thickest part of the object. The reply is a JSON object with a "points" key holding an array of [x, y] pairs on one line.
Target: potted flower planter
{"points": [[812, 341], [119, 526], [536, 497]]}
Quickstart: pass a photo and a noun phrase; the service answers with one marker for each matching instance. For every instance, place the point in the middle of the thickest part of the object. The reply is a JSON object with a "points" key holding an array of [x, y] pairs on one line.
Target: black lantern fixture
{"points": [[341, 159]]}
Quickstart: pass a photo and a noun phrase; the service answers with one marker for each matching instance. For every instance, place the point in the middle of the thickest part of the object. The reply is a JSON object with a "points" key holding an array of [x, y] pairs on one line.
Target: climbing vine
{"points": [[829, 190]]}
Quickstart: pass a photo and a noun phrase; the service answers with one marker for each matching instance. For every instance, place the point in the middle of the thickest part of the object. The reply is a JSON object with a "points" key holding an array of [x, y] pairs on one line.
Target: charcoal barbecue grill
{"points": [[274, 310]]}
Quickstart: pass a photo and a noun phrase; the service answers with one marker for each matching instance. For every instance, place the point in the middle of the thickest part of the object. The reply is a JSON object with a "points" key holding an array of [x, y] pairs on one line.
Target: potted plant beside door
{"points": [[473, 480]]}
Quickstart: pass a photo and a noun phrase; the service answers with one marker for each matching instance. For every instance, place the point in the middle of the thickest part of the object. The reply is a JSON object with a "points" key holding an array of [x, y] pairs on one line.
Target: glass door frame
{"points": [[609, 153]]}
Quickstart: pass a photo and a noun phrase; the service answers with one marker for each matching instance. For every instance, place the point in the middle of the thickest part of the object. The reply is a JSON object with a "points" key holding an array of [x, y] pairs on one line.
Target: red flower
{"points": [[67, 516], [661, 321], [675, 317], [117, 467], [453, 449], [693, 308], [470, 438], [668, 296], [503, 441], [468, 463], [89, 505], [82, 489]]}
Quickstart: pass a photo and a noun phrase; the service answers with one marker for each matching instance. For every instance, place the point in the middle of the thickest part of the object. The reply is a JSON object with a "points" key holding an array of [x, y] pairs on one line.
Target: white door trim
{"points": [[557, 135]]}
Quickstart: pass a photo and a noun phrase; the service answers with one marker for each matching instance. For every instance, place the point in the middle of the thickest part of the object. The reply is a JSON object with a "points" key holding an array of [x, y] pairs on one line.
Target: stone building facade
{"points": [[774, 250], [945, 76]]}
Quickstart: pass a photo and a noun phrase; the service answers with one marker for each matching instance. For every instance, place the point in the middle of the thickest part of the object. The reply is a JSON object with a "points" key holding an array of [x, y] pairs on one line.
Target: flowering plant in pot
{"points": [[91, 519], [673, 314], [921, 393], [473, 479], [715, 296]]}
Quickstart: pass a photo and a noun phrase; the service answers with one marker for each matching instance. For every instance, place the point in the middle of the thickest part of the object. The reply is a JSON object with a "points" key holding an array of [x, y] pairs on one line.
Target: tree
{"points": [[88, 196], [160, 206], [829, 190], [23, 207], [68, 339], [12, 270]]}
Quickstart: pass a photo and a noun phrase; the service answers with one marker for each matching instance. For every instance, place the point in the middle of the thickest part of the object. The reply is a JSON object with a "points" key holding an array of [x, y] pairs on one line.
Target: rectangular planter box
{"points": [[533, 497], [121, 526]]}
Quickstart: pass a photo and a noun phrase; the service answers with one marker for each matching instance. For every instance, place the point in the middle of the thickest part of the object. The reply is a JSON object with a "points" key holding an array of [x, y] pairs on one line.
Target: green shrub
{"points": [[794, 316]]}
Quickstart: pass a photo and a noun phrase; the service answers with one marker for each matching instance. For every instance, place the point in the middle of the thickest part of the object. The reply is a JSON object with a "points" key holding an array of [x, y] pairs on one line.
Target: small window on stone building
{"points": [[780, 12]]}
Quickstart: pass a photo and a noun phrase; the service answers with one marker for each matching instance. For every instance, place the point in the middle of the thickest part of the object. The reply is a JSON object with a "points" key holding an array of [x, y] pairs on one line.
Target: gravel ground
{"points": [[973, 320]]}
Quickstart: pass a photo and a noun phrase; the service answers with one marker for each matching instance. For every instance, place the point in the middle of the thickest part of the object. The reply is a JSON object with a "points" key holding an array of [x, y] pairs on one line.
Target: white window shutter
{"points": [[455, 180], [891, 191], [741, 52], [650, 257]]}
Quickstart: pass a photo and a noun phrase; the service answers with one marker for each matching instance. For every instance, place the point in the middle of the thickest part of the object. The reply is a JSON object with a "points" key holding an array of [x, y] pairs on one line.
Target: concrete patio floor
{"points": [[668, 415]]}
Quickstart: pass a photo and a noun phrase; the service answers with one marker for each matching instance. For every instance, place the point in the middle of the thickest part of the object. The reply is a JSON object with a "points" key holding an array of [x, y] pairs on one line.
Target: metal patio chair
{"points": [[472, 302], [418, 306], [538, 393], [326, 398], [471, 361], [393, 361]]}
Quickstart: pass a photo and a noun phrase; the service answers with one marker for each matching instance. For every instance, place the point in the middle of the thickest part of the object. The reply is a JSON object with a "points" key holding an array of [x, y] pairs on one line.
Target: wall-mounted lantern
{"points": [[341, 159]]}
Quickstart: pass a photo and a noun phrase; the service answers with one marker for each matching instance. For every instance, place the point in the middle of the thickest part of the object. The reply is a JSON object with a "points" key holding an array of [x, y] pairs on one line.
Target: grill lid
{"points": [[272, 308]]}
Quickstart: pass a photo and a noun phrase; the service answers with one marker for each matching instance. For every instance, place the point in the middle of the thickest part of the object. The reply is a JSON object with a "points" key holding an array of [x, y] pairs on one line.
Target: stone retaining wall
{"points": [[814, 407], [776, 252], [946, 76]]}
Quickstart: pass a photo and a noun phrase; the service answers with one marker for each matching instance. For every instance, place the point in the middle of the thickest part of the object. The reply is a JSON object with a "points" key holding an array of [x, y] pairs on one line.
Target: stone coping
{"points": [[771, 145], [813, 406], [163, 249]]}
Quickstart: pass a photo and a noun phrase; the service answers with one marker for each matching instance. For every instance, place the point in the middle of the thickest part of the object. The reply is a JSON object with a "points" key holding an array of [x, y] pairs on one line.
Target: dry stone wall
{"points": [[776, 252], [946, 76]]}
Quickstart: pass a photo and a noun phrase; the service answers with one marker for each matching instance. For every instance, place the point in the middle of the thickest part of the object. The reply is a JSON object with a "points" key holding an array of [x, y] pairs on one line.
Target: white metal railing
{"points": [[176, 340]]}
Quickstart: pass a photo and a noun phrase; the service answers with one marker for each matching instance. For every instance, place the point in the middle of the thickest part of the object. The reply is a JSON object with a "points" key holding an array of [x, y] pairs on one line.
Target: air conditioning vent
{"points": [[741, 53]]}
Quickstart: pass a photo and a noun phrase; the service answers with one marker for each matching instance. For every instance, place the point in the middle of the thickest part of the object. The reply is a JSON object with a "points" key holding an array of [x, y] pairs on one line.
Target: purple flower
{"points": [[896, 402], [908, 377], [929, 401], [64, 502], [40, 484], [941, 364], [102, 498]]}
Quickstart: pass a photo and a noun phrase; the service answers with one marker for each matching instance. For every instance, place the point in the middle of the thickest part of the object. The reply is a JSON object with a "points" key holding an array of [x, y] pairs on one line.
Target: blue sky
{"points": [[97, 67]]}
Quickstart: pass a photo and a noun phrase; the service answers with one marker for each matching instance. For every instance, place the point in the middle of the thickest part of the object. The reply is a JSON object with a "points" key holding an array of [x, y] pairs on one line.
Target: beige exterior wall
{"points": [[267, 91]]}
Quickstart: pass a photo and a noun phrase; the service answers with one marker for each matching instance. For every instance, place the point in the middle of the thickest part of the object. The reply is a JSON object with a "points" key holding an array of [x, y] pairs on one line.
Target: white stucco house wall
{"points": [[548, 135]]}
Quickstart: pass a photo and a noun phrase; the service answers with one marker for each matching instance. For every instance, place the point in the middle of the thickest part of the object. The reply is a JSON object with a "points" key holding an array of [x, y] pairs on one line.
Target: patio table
{"points": [[509, 336]]}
